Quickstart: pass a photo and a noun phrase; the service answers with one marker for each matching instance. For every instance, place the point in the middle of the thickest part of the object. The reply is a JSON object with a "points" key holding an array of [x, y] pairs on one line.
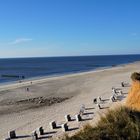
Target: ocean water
{"points": [[50, 66]]}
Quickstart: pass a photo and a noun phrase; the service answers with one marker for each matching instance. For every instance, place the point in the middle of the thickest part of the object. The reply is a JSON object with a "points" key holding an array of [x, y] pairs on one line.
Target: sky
{"points": [[38, 28]]}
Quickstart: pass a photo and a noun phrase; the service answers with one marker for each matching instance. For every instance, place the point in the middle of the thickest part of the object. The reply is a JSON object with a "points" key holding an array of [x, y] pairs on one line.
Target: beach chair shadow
{"points": [[118, 88], [120, 98], [90, 108], [44, 137], [48, 133], [104, 107], [57, 127], [124, 93], [88, 113], [87, 119], [20, 137], [104, 100], [72, 129]]}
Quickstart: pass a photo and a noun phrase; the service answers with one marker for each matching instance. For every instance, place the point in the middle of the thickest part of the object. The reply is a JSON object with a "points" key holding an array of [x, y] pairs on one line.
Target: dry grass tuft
{"points": [[135, 76], [119, 124]]}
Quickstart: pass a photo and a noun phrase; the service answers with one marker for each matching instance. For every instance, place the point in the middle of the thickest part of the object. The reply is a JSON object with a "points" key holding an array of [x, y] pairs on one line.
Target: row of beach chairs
{"points": [[117, 93], [53, 125], [78, 117]]}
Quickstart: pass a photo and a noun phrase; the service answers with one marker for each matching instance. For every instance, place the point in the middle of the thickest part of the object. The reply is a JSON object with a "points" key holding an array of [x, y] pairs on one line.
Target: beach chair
{"points": [[12, 134], [34, 135], [114, 90], [78, 117], [99, 98], [82, 109], [53, 125], [117, 95], [64, 127], [40, 130], [99, 106], [95, 101], [120, 92], [68, 118], [125, 84], [112, 98]]}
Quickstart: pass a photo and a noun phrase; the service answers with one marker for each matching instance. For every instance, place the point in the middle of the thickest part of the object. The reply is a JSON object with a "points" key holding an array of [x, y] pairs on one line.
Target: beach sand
{"points": [[48, 99]]}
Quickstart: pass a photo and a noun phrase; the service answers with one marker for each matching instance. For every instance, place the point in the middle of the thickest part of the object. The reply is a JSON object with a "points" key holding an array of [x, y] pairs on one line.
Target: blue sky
{"points": [[69, 27]]}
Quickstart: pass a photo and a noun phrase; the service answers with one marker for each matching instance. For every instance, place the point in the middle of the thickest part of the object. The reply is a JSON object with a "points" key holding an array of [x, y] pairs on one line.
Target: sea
{"points": [[15, 69]]}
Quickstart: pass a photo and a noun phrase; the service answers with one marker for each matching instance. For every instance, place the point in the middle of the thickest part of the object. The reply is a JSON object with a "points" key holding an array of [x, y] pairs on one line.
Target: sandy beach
{"points": [[28, 105]]}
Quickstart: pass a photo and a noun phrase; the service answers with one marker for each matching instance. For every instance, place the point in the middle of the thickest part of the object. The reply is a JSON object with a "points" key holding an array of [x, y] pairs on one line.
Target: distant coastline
{"points": [[36, 68]]}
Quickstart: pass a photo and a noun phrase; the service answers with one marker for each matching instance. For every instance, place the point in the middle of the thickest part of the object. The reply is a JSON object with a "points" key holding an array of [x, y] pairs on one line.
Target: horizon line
{"points": [[66, 56]]}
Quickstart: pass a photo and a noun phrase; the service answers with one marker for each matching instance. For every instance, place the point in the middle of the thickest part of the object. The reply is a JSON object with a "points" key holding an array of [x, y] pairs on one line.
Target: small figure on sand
{"points": [[27, 89]]}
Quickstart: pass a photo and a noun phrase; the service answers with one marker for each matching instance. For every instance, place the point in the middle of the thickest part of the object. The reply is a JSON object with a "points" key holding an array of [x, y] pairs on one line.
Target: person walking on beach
{"points": [[27, 89]]}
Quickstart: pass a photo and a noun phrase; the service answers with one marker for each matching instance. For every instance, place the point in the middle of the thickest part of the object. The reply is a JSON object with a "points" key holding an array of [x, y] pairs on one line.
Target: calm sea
{"points": [[50, 66]]}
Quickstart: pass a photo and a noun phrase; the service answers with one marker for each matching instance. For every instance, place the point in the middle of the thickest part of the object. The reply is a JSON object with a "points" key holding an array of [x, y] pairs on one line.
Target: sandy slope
{"points": [[24, 115]]}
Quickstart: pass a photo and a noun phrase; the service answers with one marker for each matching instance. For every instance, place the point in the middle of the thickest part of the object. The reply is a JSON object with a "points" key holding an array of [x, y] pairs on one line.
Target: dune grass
{"points": [[118, 124], [133, 98], [135, 76]]}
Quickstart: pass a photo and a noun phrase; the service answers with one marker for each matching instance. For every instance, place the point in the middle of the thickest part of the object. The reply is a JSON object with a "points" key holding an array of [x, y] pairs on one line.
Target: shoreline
{"points": [[54, 76]]}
